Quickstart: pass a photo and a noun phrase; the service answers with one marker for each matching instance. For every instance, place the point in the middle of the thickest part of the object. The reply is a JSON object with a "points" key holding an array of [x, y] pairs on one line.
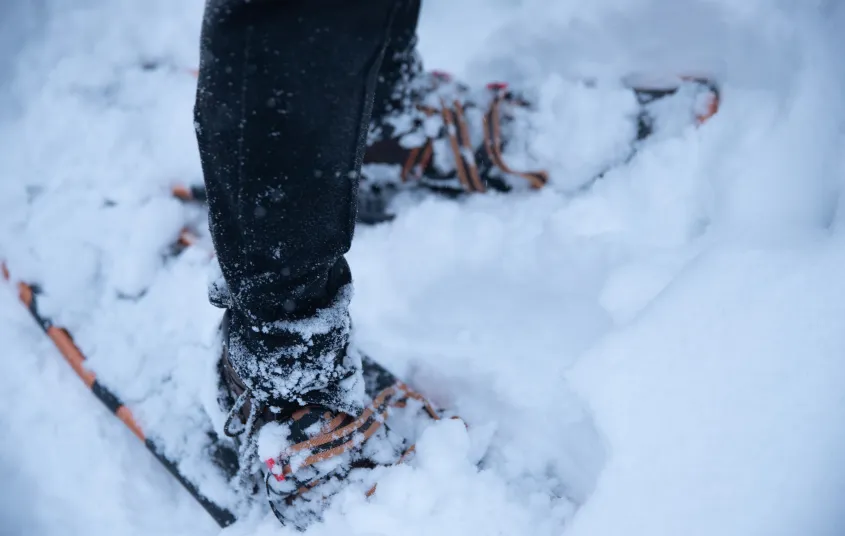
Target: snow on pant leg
{"points": [[283, 102], [401, 63]]}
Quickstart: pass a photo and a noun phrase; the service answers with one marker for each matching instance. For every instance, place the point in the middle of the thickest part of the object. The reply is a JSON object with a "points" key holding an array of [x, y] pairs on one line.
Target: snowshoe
{"points": [[432, 146]]}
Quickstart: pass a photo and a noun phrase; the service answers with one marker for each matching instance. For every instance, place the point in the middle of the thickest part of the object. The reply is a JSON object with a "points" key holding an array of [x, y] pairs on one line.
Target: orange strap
{"points": [[417, 161], [457, 129], [713, 103], [468, 153], [493, 144], [66, 346], [374, 415], [451, 131]]}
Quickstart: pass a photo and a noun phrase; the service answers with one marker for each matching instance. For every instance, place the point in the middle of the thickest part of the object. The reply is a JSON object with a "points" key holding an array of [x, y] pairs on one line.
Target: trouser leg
{"points": [[282, 109], [401, 63]]}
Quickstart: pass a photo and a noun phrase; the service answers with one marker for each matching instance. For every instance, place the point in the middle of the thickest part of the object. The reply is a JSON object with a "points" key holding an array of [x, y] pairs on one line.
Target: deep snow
{"points": [[666, 348]]}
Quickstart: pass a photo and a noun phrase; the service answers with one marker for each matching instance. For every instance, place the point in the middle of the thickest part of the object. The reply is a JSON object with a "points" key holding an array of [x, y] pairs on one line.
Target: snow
{"points": [[663, 349], [737, 423]]}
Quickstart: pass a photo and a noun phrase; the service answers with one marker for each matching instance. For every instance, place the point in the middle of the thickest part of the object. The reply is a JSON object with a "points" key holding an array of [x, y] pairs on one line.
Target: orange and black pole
{"points": [[28, 295]]}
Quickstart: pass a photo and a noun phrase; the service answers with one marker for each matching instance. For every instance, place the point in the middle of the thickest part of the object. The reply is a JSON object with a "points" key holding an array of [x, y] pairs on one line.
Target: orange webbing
{"points": [[410, 450], [493, 144], [332, 425], [417, 161], [186, 238], [428, 110], [125, 415], [25, 294], [715, 98], [410, 393], [449, 125], [182, 193], [425, 158], [712, 109], [419, 157], [70, 351], [352, 430], [349, 429], [61, 338], [356, 440], [410, 163], [401, 403], [468, 154]]}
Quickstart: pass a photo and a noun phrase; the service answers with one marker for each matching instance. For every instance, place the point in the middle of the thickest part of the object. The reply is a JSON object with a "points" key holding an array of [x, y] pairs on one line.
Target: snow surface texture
{"points": [[667, 347]]}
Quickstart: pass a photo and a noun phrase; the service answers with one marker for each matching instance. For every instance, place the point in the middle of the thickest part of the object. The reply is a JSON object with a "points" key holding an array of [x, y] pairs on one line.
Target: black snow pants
{"points": [[286, 93]]}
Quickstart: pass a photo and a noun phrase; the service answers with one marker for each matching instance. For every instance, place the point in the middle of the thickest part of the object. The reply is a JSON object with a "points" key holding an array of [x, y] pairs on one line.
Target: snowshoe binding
{"points": [[453, 138], [301, 455]]}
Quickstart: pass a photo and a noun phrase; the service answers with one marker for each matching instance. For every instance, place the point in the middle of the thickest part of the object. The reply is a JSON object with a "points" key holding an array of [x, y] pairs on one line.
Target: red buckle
{"points": [[497, 86], [442, 75], [271, 463]]}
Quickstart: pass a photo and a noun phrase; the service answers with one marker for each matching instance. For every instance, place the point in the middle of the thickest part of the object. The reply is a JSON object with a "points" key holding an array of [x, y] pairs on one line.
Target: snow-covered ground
{"points": [[665, 349]]}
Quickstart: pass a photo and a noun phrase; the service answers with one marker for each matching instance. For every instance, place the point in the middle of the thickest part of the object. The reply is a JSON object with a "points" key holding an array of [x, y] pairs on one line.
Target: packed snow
{"points": [[659, 352]]}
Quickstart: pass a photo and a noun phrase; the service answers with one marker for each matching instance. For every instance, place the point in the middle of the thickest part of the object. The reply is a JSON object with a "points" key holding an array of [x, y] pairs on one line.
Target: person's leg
{"points": [[283, 105], [396, 97], [401, 64]]}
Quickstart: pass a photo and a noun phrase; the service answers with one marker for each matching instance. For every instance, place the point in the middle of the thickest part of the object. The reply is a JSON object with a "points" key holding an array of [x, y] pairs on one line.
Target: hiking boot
{"points": [[304, 453]]}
